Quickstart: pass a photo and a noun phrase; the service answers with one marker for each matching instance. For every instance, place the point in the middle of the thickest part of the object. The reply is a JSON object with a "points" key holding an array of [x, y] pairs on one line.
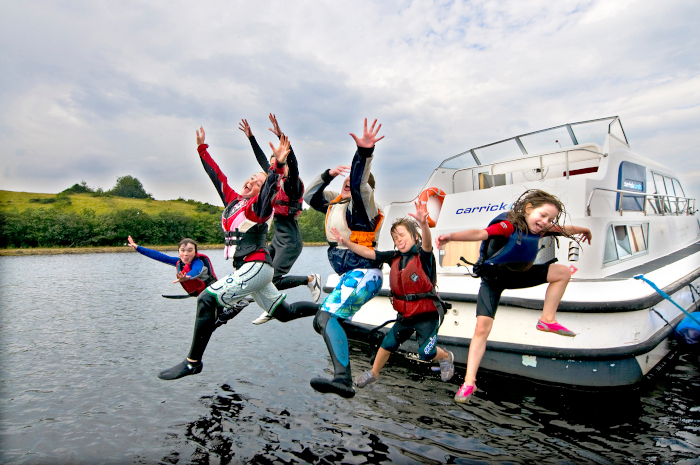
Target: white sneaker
{"points": [[263, 318], [315, 287]]}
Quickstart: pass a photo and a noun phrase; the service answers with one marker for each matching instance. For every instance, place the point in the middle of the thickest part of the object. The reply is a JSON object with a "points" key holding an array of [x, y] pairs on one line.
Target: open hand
{"points": [[338, 170], [181, 276], [275, 129], [586, 236], [132, 244], [243, 126], [282, 151], [421, 214], [338, 238], [200, 137], [369, 138]]}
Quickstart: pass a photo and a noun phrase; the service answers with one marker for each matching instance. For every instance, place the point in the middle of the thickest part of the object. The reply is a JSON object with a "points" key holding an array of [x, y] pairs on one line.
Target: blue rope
{"points": [[665, 296]]}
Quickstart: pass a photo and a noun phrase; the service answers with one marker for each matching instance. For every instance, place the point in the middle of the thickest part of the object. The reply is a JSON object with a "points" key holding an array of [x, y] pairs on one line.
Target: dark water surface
{"points": [[84, 336]]}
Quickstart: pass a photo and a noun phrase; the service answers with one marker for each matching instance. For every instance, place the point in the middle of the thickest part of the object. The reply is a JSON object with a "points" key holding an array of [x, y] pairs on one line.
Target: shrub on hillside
{"points": [[128, 186]]}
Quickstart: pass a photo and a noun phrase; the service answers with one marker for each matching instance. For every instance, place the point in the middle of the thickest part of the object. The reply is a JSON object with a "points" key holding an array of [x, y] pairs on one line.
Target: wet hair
{"points": [[186, 241], [411, 226], [536, 198]]}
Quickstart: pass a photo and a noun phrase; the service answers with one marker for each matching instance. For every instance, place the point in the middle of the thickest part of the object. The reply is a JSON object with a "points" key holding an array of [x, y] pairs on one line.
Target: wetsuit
{"points": [[286, 243], [360, 279], [417, 311], [506, 262]]}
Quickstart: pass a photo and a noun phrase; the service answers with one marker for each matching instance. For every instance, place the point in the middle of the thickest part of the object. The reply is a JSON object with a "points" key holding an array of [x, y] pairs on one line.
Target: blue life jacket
{"points": [[517, 254]]}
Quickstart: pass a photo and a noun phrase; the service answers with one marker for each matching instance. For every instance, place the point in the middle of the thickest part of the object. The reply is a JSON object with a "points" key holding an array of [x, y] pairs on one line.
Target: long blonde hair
{"points": [[536, 198]]}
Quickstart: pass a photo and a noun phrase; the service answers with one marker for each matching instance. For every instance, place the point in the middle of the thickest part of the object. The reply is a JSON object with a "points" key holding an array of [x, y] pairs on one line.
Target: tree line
{"points": [[56, 227]]}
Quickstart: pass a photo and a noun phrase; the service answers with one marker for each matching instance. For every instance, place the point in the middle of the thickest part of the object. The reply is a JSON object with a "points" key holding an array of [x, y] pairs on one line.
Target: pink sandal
{"points": [[555, 328], [464, 393]]}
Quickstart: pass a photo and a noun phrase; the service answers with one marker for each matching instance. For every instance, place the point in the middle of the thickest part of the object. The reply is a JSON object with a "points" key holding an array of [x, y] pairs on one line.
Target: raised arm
{"points": [[259, 154], [218, 178], [154, 254], [462, 236], [421, 215], [363, 206], [360, 250], [292, 184], [261, 208]]}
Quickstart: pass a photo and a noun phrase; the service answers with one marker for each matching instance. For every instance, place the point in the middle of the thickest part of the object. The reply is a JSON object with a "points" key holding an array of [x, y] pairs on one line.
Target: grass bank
{"points": [[121, 249]]}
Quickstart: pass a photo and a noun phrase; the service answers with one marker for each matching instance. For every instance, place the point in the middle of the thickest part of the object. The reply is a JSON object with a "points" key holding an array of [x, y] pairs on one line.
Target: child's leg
{"points": [[558, 277], [477, 347], [380, 360]]}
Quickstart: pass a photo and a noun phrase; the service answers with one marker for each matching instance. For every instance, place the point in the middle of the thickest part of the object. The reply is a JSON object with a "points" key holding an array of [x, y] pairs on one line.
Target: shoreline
{"points": [[117, 249]]}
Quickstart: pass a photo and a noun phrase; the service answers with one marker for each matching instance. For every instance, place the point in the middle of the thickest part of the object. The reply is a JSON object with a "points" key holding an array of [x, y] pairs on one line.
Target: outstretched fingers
{"points": [[282, 150]]}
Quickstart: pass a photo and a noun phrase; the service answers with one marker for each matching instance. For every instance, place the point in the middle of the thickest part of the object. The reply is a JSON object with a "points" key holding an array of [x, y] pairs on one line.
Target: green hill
{"points": [[95, 219]]}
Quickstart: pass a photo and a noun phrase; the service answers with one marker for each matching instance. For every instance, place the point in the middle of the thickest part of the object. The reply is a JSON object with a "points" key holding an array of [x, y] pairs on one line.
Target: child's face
{"points": [[402, 239], [345, 192], [540, 219], [252, 186], [187, 252]]}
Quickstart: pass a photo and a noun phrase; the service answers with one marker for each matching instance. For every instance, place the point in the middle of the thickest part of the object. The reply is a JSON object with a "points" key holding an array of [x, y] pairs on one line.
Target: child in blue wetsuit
{"points": [[356, 217], [508, 251], [413, 276], [193, 270]]}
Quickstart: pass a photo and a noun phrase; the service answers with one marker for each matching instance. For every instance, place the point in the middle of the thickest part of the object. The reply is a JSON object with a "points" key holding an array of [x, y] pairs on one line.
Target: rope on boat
{"points": [[666, 296]]}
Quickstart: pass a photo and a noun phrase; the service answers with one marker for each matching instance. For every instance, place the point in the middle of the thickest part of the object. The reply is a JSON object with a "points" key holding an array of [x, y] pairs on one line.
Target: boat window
{"points": [[506, 149], [610, 248], [616, 130], [465, 160], [545, 141], [594, 131], [654, 203], [487, 181], [661, 189], [622, 241]]}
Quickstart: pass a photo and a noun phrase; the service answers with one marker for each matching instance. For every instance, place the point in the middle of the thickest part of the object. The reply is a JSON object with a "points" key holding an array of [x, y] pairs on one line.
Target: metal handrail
{"points": [[688, 210], [566, 152]]}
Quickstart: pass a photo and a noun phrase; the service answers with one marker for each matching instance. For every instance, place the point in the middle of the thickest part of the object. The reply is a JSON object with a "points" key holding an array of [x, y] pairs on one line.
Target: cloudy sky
{"points": [[94, 90]]}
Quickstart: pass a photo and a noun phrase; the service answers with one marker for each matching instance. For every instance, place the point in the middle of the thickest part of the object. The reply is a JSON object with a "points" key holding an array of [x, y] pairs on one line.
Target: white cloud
{"points": [[96, 90]]}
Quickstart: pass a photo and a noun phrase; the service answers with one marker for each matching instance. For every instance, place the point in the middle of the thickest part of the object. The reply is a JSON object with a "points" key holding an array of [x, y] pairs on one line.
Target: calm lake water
{"points": [[84, 336]]}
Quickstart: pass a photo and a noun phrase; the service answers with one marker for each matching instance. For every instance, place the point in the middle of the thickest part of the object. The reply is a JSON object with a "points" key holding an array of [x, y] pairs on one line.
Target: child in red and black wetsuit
{"points": [[286, 244], [413, 275], [509, 248]]}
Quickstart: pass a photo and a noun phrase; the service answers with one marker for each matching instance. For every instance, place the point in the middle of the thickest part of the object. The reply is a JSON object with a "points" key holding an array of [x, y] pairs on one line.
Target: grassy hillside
{"points": [[99, 204]]}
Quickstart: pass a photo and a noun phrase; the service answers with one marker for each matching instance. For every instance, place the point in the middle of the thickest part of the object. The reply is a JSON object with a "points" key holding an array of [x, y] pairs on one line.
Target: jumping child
{"points": [[509, 248], [412, 279], [286, 244]]}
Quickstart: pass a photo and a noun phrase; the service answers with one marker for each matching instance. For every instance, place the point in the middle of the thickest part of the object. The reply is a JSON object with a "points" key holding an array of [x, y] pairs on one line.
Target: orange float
{"points": [[432, 192]]}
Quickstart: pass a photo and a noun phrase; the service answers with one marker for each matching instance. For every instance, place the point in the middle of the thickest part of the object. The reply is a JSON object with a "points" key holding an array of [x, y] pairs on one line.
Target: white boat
{"points": [[642, 223]]}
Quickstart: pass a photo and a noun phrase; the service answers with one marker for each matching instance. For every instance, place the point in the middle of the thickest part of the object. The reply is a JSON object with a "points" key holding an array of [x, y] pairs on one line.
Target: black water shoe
{"points": [[340, 386], [182, 369]]}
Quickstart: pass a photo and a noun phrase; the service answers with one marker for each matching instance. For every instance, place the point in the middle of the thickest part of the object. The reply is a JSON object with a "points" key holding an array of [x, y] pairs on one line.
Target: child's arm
{"points": [[585, 233], [154, 254], [421, 216], [360, 250], [466, 235], [259, 154]]}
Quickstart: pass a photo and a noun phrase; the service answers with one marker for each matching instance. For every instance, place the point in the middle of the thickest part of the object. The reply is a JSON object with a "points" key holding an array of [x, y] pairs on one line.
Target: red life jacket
{"points": [[196, 286], [411, 289], [282, 206]]}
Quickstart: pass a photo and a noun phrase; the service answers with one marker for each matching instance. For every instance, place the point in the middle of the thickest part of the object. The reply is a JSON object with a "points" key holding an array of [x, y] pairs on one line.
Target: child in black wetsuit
{"points": [[412, 278], [510, 245]]}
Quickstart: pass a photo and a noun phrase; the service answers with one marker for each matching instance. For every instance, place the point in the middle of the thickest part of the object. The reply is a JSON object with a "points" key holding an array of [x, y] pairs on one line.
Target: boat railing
{"points": [[538, 163], [660, 204]]}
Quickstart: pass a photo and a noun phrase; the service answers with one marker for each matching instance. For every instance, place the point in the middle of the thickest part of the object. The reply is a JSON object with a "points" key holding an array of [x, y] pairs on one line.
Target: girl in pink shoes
{"points": [[509, 247], [412, 277]]}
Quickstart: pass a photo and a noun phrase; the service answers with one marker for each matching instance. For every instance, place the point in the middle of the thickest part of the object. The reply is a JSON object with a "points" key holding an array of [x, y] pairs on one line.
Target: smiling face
{"points": [[403, 240], [539, 219], [252, 186], [187, 252]]}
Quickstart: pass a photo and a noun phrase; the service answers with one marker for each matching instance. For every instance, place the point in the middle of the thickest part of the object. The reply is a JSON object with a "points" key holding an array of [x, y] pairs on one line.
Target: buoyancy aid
{"points": [[517, 254], [241, 235], [283, 206], [195, 286], [336, 218], [412, 291]]}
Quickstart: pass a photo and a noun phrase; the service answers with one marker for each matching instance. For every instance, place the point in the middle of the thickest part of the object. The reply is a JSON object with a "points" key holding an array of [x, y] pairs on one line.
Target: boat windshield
{"points": [[593, 131]]}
